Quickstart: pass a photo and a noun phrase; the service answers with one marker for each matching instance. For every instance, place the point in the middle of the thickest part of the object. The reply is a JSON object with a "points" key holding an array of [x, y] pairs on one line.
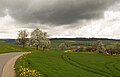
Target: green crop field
{"points": [[56, 63], [7, 47]]}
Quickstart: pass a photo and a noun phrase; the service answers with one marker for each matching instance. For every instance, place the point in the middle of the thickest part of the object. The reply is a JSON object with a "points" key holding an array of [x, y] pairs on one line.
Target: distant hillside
{"points": [[77, 39], [84, 39], [8, 40]]}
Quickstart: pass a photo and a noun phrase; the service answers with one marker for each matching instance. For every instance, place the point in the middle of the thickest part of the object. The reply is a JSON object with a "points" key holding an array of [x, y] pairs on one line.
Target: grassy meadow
{"points": [[58, 63], [8, 47]]}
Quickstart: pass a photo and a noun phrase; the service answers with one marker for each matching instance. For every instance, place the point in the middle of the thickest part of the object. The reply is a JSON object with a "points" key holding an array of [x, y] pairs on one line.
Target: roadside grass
{"points": [[56, 63], [6, 48]]}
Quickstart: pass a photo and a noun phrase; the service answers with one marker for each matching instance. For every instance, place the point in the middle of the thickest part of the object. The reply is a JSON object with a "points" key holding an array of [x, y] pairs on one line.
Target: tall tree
{"points": [[39, 39], [22, 37]]}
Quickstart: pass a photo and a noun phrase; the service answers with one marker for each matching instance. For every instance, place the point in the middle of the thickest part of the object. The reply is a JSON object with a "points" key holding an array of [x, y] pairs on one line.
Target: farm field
{"points": [[7, 47], [57, 63], [56, 43]]}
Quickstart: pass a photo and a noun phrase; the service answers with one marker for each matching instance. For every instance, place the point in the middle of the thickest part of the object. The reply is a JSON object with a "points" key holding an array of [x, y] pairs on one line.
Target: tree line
{"points": [[98, 47], [38, 39]]}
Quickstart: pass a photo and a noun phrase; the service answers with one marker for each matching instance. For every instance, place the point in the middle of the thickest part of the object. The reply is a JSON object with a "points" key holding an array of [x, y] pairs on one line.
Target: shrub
{"points": [[116, 48], [89, 48], [101, 47], [63, 46]]}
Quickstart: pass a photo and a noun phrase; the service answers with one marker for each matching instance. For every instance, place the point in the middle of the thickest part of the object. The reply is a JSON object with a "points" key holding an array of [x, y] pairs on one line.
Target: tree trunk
{"points": [[23, 46], [37, 47], [43, 48]]}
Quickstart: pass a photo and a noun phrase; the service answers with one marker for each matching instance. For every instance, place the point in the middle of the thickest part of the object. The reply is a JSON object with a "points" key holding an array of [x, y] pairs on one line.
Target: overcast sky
{"points": [[61, 18]]}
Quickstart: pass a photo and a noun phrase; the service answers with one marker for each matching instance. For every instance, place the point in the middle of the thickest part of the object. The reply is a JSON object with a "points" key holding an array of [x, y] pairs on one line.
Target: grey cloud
{"points": [[1, 31], [1, 14], [56, 12]]}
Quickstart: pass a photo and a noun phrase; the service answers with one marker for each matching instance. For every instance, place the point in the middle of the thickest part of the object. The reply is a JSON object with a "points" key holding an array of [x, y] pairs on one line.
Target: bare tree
{"points": [[22, 37], [39, 39]]}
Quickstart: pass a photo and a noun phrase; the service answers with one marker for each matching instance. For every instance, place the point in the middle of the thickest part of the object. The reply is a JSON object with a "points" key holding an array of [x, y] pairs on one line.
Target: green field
{"points": [[56, 63], [7, 47]]}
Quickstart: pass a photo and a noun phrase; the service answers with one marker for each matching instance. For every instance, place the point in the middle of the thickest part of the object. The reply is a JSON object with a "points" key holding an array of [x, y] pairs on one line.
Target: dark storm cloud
{"points": [[56, 12]]}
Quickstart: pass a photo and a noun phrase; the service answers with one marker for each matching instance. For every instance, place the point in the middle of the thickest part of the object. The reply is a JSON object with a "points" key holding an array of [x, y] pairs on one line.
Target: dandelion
{"points": [[27, 72]]}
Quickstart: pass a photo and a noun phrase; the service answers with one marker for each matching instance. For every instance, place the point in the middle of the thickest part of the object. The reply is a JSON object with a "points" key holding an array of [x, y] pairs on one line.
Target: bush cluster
{"points": [[99, 47]]}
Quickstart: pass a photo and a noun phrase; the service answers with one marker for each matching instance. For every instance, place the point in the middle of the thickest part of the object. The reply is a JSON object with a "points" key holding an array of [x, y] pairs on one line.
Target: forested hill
{"points": [[84, 39], [8, 40], [81, 39]]}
